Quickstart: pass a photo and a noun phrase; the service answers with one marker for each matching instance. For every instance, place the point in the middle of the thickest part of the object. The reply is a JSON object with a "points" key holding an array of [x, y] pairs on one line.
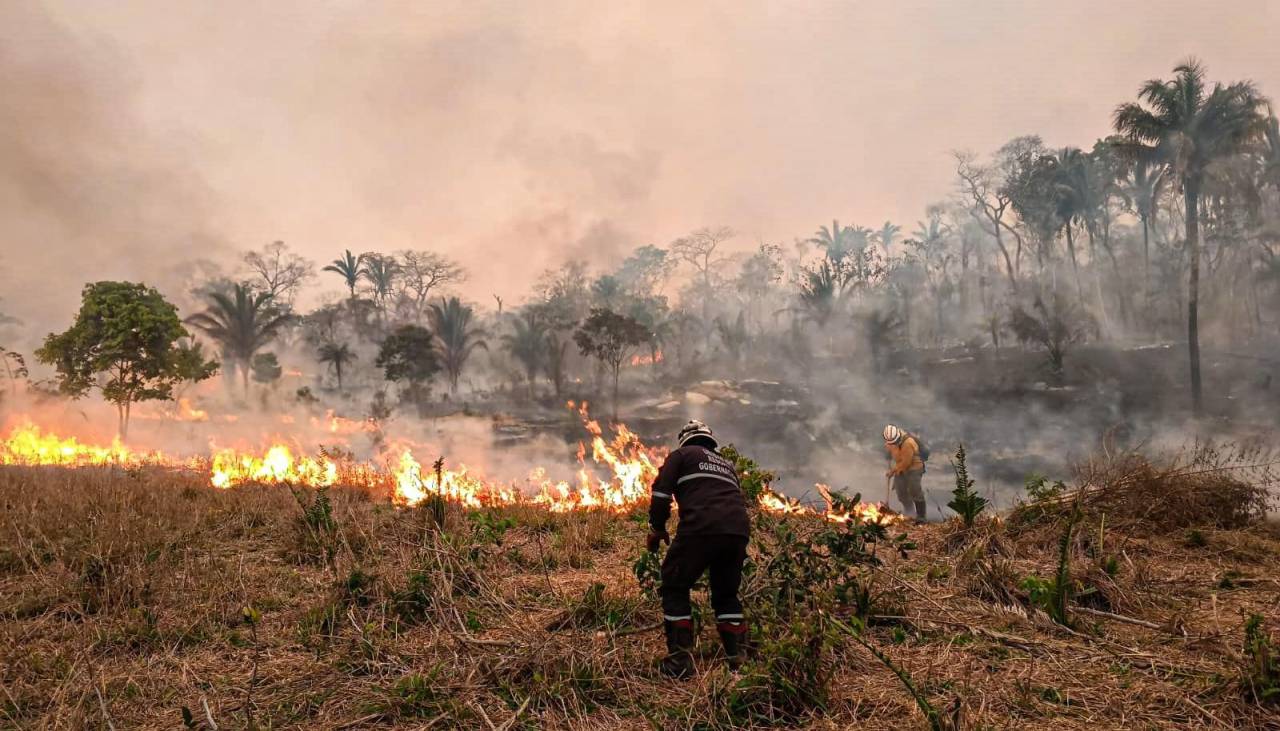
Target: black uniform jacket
{"points": [[705, 488]]}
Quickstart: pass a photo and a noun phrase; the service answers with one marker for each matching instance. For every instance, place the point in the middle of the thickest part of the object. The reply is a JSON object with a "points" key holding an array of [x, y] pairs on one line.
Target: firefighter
{"points": [[906, 468], [711, 535]]}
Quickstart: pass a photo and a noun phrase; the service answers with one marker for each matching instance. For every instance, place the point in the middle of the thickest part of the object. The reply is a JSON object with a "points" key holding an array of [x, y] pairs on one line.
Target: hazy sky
{"points": [[137, 135]]}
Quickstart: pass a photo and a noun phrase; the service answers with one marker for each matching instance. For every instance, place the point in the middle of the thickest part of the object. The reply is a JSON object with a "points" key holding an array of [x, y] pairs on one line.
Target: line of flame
{"points": [[628, 467]]}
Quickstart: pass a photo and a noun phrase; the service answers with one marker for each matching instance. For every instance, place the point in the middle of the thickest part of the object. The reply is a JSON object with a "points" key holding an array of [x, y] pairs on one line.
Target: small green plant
{"points": [[647, 569], [791, 680], [1261, 676], [753, 479], [1111, 566], [435, 504], [412, 603], [964, 501], [317, 527], [1040, 489], [1196, 539], [488, 528], [422, 696], [1051, 595], [596, 610]]}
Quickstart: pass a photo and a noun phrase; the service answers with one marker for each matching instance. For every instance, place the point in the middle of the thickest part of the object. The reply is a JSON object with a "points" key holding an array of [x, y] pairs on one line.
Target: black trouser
{"points": [[687, 558]]}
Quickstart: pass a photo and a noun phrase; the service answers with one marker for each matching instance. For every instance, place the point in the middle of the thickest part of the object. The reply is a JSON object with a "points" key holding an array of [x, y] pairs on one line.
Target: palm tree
{"points": [[882, 327], [1142, 188], [835, 241], [1070, 193], [337, 356], [527, 344], [349, 267], [1271, 150], [1189, 127], [451, 321], [1079, 196], [886, 235], [241, 321], [381, 273], [821, 291]]}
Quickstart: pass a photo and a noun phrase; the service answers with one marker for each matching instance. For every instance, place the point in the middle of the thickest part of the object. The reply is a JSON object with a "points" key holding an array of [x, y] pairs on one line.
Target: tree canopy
{"points": [[124, 342]]}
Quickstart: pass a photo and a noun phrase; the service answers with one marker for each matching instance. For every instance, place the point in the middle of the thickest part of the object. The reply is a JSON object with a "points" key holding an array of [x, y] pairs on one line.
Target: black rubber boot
{"points": [[920, 510], [679, 660], [733, 635]]}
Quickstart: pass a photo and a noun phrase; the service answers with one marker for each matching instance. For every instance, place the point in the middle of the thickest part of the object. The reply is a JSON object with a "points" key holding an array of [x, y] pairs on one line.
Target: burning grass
{"points": [[129, 595]]}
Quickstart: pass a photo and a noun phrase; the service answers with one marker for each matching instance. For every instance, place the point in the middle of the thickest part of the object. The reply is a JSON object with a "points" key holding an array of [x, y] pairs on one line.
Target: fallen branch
{"points": [[1121, 618]]}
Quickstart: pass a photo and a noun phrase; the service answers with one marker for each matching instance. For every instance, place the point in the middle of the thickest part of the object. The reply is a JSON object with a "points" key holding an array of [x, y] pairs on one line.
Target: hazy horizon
{"points": [[142, 135]]}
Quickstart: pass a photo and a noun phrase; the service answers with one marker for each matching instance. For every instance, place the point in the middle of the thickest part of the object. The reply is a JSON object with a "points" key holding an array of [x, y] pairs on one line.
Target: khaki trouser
{"points": [[907, 486]]}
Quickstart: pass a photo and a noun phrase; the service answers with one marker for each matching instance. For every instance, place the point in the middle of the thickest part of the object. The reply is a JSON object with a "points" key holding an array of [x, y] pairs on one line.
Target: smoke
{"points": [[141, 132], [88, 190], [154, 141]]}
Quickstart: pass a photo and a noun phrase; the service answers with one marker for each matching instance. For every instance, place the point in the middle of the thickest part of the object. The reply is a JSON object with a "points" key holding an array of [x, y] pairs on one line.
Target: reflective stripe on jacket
{"points": [[705, 487]]}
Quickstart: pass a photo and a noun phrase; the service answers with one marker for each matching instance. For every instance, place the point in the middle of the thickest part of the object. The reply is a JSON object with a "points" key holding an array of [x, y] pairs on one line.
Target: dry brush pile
{"points": [[143, 599]]}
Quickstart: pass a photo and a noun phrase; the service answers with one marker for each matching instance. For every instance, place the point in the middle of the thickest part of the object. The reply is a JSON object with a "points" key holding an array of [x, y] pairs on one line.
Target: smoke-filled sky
{"points": [[139, 135]]}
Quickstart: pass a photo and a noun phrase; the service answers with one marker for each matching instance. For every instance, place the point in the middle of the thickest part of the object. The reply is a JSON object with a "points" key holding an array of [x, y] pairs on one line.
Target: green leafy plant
{"points": [[435, 504], [597, 610], [414, 601], [1039, 488], [964, 501], [791, 679], [317, 528], [647, 569], [1052, 595], [753, 479], [488, 527], [1261, 676]]}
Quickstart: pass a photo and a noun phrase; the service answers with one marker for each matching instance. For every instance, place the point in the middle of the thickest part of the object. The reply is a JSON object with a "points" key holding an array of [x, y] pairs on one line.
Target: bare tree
{"points": [[983, 187], [422, 272], [279, 272], [698, 249]]}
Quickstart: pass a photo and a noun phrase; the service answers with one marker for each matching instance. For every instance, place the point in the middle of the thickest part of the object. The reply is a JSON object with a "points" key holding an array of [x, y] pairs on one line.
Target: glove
{"points": [[655, 540]]}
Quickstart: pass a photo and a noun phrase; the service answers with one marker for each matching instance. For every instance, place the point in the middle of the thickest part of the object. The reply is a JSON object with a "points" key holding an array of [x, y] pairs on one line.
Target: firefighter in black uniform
{"points": [[711, 534]]}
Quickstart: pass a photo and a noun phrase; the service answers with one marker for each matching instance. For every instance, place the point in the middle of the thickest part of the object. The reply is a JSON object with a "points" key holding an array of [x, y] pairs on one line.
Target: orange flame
{"points": [[28, 445], [614, 472], [653, 359]]}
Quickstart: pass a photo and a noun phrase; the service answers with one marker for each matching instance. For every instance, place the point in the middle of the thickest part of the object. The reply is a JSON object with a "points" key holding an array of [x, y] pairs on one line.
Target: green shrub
{"points": [[964, 501], [753, 479], [1261, 676]]}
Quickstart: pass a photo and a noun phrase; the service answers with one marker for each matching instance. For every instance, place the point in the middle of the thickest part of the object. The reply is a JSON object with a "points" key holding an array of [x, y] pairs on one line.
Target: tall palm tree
{"points": [[1070, 195], [1189, 127], [241, 321], [527, 343], [886, 235], [1271, 150], [821, 290], [381, 272], [337, 357], [835, 241], [349, 268], [457, 337], [1142, 187]]}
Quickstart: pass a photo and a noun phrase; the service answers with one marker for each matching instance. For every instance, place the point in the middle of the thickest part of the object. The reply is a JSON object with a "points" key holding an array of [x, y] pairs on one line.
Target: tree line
{"points": [[1169, 221]]}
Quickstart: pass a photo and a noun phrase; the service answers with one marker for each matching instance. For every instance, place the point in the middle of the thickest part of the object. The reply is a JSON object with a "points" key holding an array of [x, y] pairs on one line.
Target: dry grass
{"points": [[123, 596]]}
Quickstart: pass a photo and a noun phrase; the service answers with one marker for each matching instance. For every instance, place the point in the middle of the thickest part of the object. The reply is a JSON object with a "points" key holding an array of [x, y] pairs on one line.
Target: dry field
{"points": [[145, 599]]}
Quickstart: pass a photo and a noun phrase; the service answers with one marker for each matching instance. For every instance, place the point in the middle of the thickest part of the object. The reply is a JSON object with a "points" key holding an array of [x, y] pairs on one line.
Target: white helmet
{"points": [[692, 430], [892, 434]]}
